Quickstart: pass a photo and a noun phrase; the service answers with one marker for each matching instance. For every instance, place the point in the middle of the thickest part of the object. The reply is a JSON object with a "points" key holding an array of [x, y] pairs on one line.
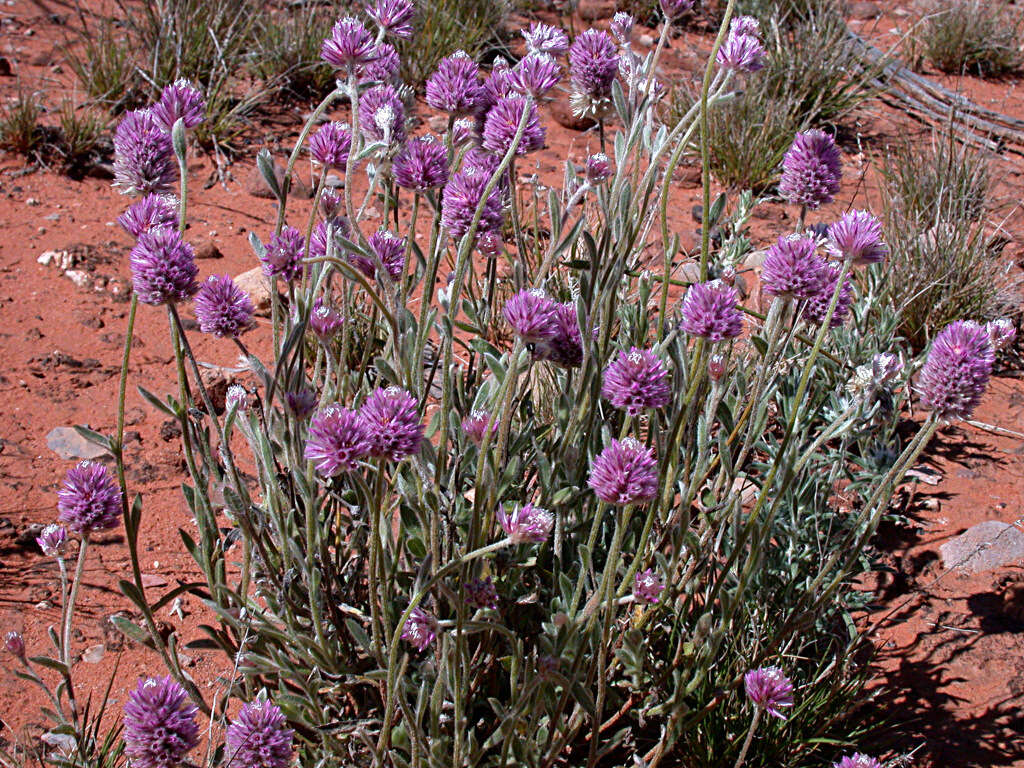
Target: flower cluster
{"points": [[711, 311], [956, 370], [637, 380], [624, 473], [811, 170], [526, 524], [159, 724], [89, 500], [258, 738], [769, 689], [222, 308]]}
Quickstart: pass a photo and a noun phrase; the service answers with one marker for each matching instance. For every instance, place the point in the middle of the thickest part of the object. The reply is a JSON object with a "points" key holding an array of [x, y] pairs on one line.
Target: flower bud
{"points": [[15, 644], [53, 540], [716, 367], [599, 168]]}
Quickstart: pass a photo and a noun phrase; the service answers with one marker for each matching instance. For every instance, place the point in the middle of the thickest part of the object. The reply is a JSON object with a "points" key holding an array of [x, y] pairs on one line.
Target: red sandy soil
{"points": [[950, 647]]}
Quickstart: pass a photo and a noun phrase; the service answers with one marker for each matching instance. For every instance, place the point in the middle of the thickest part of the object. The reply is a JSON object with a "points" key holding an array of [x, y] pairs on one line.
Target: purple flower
{"points": [[53, 540], [711, 311], [741, 53], [857, 236], [624, 473], [593, 64], [532, 316], [384, 68], [151, 212], [163, 267], [455, 86], [647, 587], [527, 524], [330, 145], [857, 760], [382, 115], [258, 738], [475, 426], [422, 164], [502, 124], [331, 204], [811, 170], [324, 321], [301, 402], [461, 196], [1001, 333], [768, 688], [745, 25], [717, 367], [817, 306], [392, 16], [599, 168], [622, 27], [143, 157], [675, 9], [544, 38], [338, 439], [237, 399], [536, 74], [159, 724], [390, 250], [392, 420], [480, 593], [636, 380], [565, 348], [956, 370], [318, 240], [349, 45], [283, 255], [497, 85], [89, 499], [792, 268], [180, 101], [420, 629], [479, 161], [462, 131], [489, 243], [15, 644], [222, 308]]}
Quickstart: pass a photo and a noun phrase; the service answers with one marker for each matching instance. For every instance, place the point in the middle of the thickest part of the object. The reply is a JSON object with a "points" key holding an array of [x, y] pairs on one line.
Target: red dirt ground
{"points": [[950, 646]]}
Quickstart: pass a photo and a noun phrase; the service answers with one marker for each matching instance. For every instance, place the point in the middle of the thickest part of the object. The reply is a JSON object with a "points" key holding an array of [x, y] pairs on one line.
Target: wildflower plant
{"points": [[569, 500]]}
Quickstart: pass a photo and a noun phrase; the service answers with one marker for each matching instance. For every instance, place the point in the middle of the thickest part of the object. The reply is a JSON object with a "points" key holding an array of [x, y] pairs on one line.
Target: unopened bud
{"points": [[53, 540], [15, 644], [716, 367]]}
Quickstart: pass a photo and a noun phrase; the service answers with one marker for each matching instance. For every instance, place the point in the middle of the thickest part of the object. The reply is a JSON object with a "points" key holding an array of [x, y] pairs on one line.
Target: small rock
{"points": [[153, 580], [46, 257], [595, 10], [754, 259], [78, 277], [68, 444], [257, 285], [217, 380], [563, 115], [864, 11], [646, 41], [32, 202], [334, 181], [52, 217], [208, 250], [93, 654], [257, 186], [983, 547]]}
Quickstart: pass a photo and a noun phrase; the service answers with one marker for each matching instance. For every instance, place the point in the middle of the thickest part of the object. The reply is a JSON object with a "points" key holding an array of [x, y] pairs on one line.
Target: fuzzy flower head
{"points": [[857, 236], [811, 170], [622, 27], [143, 158], [349, 45], [817, 306], [565, 348], [857, 760], [390, 250], [532, 316], [536, 74], [648, 586], [526, 524], [14, 644], [163, 268], [741, 53], [769, 689], [636, 380], [392, 420], [258, 738], [324, 321], [675, 9], [455, 86], [330, 145], [420, 629], [624, 473], [53, 540], [599, 168], [382, 115], [497, 85], [502, 125], [480, 593], [489, 244], [151, 212], [180, 101], [329, 233], [384, 68], [393, 16], [283, 255], [711, 311], [476, 424], [338, 439], [745, 25], [593, 64], [237, 399], [300, 402], [544, 38], [956, 370], [461, 196], [792, 268], [159, 724], [1001, 333], [222, 308], [421, 165]]}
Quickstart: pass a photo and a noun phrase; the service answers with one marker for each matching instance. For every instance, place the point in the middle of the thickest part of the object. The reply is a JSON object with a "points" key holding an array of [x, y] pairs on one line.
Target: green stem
{"points": [[754, 721]]}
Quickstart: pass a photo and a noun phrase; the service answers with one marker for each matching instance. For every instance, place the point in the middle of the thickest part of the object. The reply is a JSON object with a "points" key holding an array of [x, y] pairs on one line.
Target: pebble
{"points": [[31, 201], [68, 444], [984, 547], [257, 285], [646, 41], [78, 277]]}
